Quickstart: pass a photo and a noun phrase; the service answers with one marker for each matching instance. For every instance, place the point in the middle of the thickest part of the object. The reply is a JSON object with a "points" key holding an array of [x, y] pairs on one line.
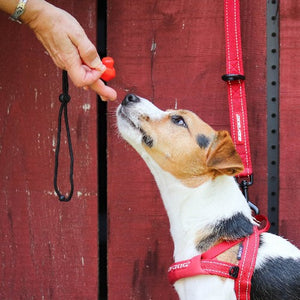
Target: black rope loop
{"points": [[64, 98]]}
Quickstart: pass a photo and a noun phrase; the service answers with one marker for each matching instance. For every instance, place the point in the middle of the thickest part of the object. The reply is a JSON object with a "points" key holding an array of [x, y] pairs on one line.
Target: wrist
{"points": [[32, 11], [20, 9]]}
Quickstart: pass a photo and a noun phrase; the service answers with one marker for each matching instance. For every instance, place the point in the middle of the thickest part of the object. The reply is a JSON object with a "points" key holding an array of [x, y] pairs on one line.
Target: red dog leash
{"points": [[236, 93], [208, 264], [235, 81]]}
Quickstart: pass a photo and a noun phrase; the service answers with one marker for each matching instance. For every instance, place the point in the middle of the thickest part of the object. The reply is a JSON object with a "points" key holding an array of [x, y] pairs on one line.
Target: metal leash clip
{"points": [[244, 184]]}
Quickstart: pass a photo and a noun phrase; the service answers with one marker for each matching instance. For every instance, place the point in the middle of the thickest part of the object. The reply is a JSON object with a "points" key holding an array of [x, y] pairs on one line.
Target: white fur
{"points": [[189, 210], [192, 209]]}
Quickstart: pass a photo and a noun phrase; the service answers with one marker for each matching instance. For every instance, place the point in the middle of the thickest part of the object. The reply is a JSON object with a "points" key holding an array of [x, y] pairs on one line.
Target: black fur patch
{"points": [[277, 279], [236, 227], [148, 140], [203, 141]]}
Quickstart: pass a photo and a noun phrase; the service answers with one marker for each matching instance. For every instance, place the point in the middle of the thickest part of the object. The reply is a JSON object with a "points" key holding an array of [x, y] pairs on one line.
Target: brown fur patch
{"points": [[177, 151], [230, 255]]}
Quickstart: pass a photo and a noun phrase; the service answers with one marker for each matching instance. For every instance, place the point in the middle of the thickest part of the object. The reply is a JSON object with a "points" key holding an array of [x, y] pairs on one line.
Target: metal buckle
{"points": [[244, 184]]}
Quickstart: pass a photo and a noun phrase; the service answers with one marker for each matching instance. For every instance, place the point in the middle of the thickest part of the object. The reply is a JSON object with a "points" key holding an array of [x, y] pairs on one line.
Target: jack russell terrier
{"points": [[193, 166]]}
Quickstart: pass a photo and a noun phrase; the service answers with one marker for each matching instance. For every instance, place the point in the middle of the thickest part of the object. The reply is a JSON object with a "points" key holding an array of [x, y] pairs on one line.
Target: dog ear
{"points": [[222, 156]]}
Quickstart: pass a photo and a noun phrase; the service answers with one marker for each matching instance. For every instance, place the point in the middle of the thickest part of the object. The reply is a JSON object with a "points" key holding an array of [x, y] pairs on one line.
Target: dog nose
{"points": [[130, 98]]}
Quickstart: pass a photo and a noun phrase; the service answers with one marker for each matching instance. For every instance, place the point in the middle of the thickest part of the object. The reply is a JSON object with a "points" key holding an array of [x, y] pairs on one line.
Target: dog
{"points": [[194, 167]]}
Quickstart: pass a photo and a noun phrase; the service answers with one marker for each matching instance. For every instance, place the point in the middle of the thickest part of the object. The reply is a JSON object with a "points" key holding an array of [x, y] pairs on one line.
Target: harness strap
{"points": [[199, 266], [242, 284], [207, 263], [235, 81]]}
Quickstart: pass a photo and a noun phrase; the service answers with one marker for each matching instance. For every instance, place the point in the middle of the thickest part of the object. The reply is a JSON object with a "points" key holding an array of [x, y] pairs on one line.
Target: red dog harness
{"points": [[207, 263]]}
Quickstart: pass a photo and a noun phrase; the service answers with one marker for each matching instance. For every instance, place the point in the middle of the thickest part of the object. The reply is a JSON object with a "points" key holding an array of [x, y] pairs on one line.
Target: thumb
{"points": [[89, 55]]}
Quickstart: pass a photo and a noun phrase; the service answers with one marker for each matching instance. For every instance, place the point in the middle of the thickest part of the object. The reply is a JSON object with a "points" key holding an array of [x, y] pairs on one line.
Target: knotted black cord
{"points": [[64, 98]]}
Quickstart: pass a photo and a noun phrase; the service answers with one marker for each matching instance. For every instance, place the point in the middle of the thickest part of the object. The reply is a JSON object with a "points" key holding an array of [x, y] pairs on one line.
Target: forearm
{"points": [[8, 6]]}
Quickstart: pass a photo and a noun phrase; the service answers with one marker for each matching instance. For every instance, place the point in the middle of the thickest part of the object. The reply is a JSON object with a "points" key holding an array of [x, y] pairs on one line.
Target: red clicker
{"points": [[110, 71]]}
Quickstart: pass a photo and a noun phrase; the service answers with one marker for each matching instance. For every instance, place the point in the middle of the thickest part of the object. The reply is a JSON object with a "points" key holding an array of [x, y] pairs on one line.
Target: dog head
{"points": [[178, 141]]}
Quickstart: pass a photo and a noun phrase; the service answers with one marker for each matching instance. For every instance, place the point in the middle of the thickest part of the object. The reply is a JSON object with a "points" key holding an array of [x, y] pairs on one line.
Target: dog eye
{"points": [[178, 120]]}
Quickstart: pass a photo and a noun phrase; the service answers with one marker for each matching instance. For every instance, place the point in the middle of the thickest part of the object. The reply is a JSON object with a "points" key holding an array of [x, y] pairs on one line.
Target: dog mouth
{"points": [[126, 118], [146, 139]]}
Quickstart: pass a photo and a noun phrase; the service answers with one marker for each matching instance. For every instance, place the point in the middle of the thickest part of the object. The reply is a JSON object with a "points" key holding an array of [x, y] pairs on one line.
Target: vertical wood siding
{"points": [[48, 249], [289, 120]]}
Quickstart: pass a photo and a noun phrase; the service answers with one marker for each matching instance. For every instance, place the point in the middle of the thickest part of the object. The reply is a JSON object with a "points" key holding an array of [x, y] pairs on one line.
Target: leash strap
{"points": [[235, 82], [64, 98]]}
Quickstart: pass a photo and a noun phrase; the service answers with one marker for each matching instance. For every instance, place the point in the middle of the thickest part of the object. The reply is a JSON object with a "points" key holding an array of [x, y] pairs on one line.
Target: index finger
{"points": [[104, 91]]}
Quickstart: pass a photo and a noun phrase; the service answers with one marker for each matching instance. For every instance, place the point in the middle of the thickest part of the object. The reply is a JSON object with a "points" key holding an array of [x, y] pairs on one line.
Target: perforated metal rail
{"points": [[273, 111]]}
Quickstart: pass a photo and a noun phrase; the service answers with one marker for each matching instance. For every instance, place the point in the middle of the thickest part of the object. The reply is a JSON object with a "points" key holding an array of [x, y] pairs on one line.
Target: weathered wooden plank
{"points": [[171, 52], [48, 249], [289, 120]]}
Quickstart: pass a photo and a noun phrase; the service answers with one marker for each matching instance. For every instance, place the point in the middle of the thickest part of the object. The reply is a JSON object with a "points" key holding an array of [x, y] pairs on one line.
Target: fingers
{"points": [[89, 54], [80, 74], [105, 92], [71, 49], [83, 76], [88, 68]]}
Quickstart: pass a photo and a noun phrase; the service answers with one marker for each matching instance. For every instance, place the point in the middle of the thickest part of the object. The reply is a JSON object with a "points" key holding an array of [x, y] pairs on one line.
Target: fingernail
{"points": [[98, 65], [102, 68]]}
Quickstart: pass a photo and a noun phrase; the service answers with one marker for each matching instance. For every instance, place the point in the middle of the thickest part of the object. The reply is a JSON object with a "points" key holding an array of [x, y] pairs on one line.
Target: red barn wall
{"points": [[289, 120], [172, 52], [48, 249]]}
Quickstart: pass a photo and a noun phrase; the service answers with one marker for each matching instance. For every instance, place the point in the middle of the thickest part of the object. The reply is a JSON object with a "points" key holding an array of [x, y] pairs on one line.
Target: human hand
{"points": [[68, 46]]}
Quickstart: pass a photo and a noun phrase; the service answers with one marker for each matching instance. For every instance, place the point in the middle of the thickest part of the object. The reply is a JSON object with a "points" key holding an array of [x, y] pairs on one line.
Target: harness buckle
{"points": [[234, 271]]}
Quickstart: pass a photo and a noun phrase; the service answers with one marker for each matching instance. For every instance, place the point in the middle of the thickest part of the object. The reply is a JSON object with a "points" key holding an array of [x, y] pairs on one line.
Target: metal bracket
{"points": [[273, 112]]}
